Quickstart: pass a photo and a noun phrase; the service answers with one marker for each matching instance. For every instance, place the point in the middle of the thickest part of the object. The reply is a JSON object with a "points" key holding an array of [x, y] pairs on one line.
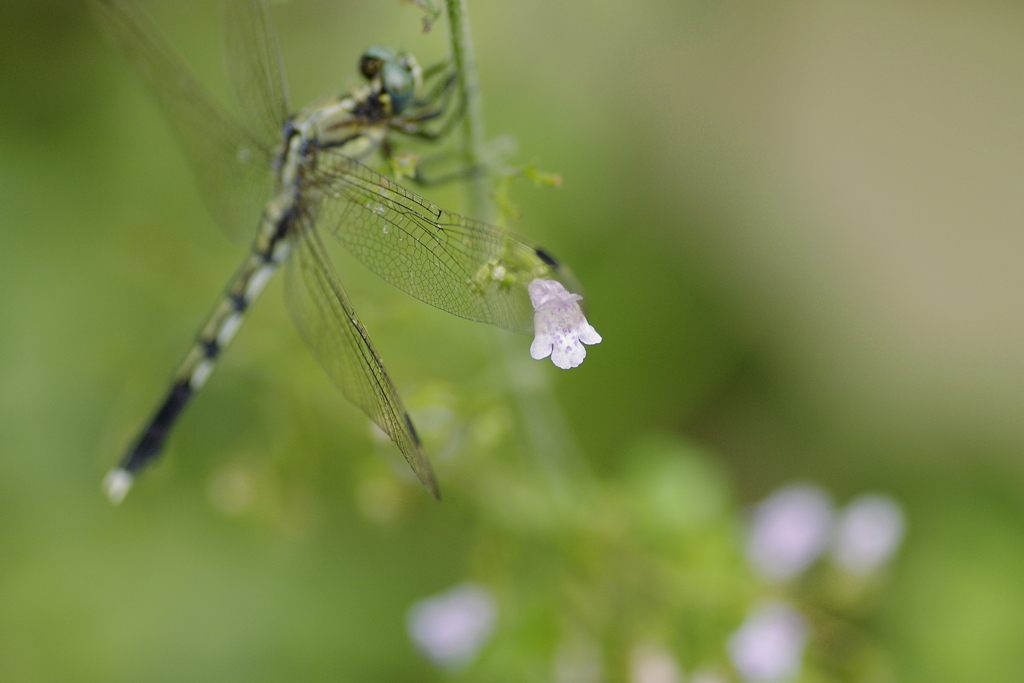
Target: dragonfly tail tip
{"points": [[116, 484]]}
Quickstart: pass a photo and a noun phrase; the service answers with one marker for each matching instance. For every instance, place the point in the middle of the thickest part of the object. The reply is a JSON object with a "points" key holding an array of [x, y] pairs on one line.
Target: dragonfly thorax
{"points": [[358, 122], [342, 123]]}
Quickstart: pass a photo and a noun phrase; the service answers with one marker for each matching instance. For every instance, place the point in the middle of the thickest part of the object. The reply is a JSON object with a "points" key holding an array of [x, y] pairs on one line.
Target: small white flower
{"points": [[769, 646], [450, 628], [870, 530], [789, 531], [559, 326]]}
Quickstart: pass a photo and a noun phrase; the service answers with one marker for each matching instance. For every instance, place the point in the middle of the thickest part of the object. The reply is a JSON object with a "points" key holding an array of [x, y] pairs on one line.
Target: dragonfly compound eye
{"points": [[399, 83], [373, 59], [410, 64]]}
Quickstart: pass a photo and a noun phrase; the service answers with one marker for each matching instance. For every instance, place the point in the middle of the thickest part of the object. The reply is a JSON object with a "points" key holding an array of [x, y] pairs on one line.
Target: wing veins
{"points": [[342, 345], [231, 166], [437, 256]]}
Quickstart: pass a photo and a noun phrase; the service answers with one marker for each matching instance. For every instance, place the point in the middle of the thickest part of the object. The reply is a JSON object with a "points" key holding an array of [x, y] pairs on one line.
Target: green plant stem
{"points": [[478, 192], [548, 432]]}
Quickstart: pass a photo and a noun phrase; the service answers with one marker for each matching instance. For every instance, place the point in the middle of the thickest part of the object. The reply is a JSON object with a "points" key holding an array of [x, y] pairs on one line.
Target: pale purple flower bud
{"points": [[869, 531], [769, 645], [789, 530], [450, 628], [560, 328]]}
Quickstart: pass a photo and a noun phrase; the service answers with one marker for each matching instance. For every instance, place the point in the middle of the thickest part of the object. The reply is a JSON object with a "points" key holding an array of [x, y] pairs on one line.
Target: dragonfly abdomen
{"points": [[270, 249]]}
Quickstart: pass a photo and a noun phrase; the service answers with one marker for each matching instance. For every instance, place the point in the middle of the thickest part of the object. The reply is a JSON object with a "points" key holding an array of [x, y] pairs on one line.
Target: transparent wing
{"points": [[339, 341], [462, 266], [254, 67], [232, 166]]}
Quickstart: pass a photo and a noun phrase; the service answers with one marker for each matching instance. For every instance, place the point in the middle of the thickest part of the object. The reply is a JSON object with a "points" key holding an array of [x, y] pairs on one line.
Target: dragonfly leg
{"points": [[413, 126], [436, 105], [427, 179], [420, 173], [445, 73], [437, 68]]}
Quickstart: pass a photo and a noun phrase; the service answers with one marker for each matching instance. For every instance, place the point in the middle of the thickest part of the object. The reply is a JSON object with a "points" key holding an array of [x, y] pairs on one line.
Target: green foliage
{"points": [[431, 12], [280, 540], [509, 174]]}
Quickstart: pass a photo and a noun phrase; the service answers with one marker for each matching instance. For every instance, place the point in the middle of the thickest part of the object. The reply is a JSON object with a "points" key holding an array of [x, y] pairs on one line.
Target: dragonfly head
{"points": [[373, 59], [397, 75]]}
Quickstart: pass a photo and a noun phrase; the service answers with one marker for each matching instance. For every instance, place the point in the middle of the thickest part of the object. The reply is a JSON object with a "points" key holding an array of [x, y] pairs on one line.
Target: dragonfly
{"points": [[294, 178]]}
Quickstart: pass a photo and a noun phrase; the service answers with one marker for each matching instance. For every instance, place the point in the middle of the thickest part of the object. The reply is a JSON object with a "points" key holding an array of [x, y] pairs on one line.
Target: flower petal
{"points": [[588, 335], [560, 327], [541, 347], [568, 355]]}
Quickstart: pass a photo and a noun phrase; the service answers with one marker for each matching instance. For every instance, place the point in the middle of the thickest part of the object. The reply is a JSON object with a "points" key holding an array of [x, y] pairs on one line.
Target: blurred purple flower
{"points": [[869, 531], [769, 645], [451, 627], [789, 530]]}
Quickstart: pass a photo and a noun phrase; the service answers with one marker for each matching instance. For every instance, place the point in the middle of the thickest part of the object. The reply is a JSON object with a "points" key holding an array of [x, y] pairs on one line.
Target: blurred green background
{"points": [[799, 225]]}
